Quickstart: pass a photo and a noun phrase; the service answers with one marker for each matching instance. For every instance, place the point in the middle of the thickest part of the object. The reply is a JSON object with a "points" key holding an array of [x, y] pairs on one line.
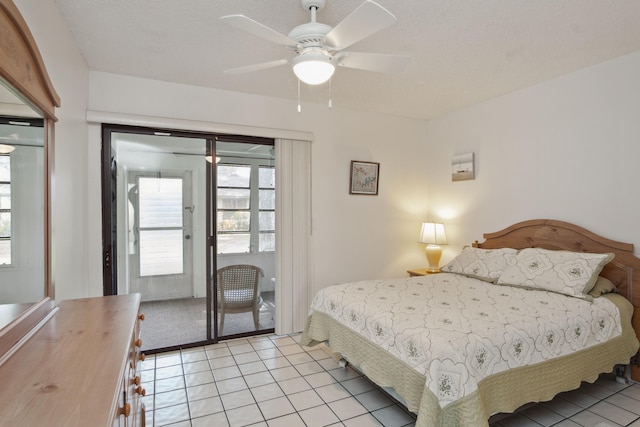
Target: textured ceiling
{"points": [[462, 51]]}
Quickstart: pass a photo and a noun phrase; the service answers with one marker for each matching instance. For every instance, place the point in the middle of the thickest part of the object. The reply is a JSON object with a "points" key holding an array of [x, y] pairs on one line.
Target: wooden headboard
{"points": [[623, 270]]}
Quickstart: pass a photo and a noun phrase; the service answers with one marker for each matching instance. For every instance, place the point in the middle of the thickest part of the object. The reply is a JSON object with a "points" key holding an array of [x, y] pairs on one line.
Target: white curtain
{"points": [[293, 234]]}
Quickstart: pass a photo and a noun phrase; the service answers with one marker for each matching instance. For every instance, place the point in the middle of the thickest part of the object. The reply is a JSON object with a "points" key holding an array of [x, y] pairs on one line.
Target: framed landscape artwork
{"points": [[364, 178], [462, 167]]}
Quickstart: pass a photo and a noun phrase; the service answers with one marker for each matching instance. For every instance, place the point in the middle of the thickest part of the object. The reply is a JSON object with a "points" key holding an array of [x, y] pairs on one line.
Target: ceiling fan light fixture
{"points": [[313, 68]]}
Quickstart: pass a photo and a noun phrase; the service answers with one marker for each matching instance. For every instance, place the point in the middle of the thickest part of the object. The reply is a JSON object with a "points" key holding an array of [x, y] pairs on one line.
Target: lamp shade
{"points": [[432, 233], [313, 68]]}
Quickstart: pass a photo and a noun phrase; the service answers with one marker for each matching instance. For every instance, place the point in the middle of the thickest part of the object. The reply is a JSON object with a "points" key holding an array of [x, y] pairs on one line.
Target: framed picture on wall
{"points": [[462, 167], [364, 178]]}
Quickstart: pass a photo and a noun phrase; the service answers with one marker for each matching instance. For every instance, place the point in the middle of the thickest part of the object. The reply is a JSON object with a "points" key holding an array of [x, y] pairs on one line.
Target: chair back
{"points": [[238, 285]]}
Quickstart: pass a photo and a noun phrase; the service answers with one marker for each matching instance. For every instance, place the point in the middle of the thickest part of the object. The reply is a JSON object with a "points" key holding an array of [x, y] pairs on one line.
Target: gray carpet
{"points": [[177, 322]]}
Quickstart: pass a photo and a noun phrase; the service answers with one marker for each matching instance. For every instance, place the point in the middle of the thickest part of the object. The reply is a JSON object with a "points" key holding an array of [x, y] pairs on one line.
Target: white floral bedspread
{"points": [[455, 330]]}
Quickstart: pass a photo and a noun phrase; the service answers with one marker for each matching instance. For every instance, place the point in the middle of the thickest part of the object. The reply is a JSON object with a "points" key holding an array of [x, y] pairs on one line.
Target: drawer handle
{"points": [[142, 356], [141, 391], [139, 342], [126, 410], [141, 316], [136, 380]]}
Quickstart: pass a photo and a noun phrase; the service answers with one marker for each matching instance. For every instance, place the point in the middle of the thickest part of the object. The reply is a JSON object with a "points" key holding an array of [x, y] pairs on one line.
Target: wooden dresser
{"points": [[79, 369]]}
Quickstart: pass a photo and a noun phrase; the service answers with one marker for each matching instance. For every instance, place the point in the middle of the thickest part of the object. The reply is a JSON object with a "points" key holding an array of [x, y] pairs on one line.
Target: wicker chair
{"points": [[238, 291]]}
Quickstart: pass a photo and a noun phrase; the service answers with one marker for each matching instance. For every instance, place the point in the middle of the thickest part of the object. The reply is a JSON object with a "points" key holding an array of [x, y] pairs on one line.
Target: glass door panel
{"points": [[161, 218], [245, 243]]}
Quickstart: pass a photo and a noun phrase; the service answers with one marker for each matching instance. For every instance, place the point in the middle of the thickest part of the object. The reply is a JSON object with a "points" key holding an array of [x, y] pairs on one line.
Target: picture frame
{"points": [[364, 178], [462, 167]]}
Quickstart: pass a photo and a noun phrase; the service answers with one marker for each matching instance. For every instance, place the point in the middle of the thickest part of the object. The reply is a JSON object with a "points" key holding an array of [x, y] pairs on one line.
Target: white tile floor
{"points": [[273, 381]]}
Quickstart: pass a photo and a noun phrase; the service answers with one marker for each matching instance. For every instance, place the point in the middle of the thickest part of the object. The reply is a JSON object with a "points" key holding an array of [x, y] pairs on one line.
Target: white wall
{"points": [[354, 237], [565, 149], [70, 77]]}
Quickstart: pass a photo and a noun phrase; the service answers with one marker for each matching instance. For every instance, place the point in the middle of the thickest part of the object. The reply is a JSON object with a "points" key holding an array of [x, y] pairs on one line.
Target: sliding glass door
{"points": [[157, 232], [178, 207], [245, 235]]}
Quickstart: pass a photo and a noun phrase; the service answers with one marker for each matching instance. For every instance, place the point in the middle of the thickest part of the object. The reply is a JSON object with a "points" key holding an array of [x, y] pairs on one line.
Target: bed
{"points": [[533, 310]]}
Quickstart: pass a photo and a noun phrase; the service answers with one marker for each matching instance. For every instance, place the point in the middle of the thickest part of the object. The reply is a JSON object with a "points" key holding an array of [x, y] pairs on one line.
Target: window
{"points": [[267, 209], [161, 226], [234, 208], [5, 210], [245, 208]]}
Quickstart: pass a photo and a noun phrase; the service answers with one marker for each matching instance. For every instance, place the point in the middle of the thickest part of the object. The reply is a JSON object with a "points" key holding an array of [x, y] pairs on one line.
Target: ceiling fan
{"points": [[320, 48]]}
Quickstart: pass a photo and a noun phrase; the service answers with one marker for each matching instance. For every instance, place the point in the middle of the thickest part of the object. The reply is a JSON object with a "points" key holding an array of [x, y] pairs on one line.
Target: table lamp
{"points": [[432, 234]]}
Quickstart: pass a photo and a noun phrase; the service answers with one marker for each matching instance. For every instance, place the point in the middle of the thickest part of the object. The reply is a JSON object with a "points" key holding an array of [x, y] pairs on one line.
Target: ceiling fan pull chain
{"points": [[299, 108], [330, 93]]}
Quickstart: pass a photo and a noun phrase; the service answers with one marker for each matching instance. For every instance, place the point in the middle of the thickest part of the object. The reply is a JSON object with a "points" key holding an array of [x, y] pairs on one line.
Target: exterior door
{"points": [[160, 234]]}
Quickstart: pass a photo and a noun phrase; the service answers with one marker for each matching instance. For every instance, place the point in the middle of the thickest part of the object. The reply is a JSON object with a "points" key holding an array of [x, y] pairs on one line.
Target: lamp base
{"points": [[433, 254]]}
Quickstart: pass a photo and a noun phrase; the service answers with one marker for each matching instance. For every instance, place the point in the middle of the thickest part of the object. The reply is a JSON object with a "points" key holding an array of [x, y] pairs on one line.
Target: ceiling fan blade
{"points": [[377, 62], [257, 29], [257, 67], [366, 20]]}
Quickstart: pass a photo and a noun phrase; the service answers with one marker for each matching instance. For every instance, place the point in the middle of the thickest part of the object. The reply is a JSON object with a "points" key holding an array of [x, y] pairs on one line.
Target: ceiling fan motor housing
{"points": [[310, 34]]}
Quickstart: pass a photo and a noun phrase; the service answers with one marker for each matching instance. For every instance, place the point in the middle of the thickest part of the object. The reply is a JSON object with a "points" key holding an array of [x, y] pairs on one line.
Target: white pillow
{"points": [[568, 273], [483, 264]]}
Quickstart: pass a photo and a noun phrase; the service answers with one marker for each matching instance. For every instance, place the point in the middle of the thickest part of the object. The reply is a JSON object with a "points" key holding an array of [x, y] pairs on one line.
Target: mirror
{"points": [[22, 214], [26, 96]]}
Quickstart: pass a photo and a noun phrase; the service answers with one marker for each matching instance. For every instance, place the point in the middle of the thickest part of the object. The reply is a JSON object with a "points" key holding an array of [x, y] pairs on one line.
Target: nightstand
{"points": [[418, 272]]}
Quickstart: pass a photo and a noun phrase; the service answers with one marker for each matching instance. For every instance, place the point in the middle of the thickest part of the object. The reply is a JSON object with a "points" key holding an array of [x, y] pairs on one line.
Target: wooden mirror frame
{"points": [[22, 67]]}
